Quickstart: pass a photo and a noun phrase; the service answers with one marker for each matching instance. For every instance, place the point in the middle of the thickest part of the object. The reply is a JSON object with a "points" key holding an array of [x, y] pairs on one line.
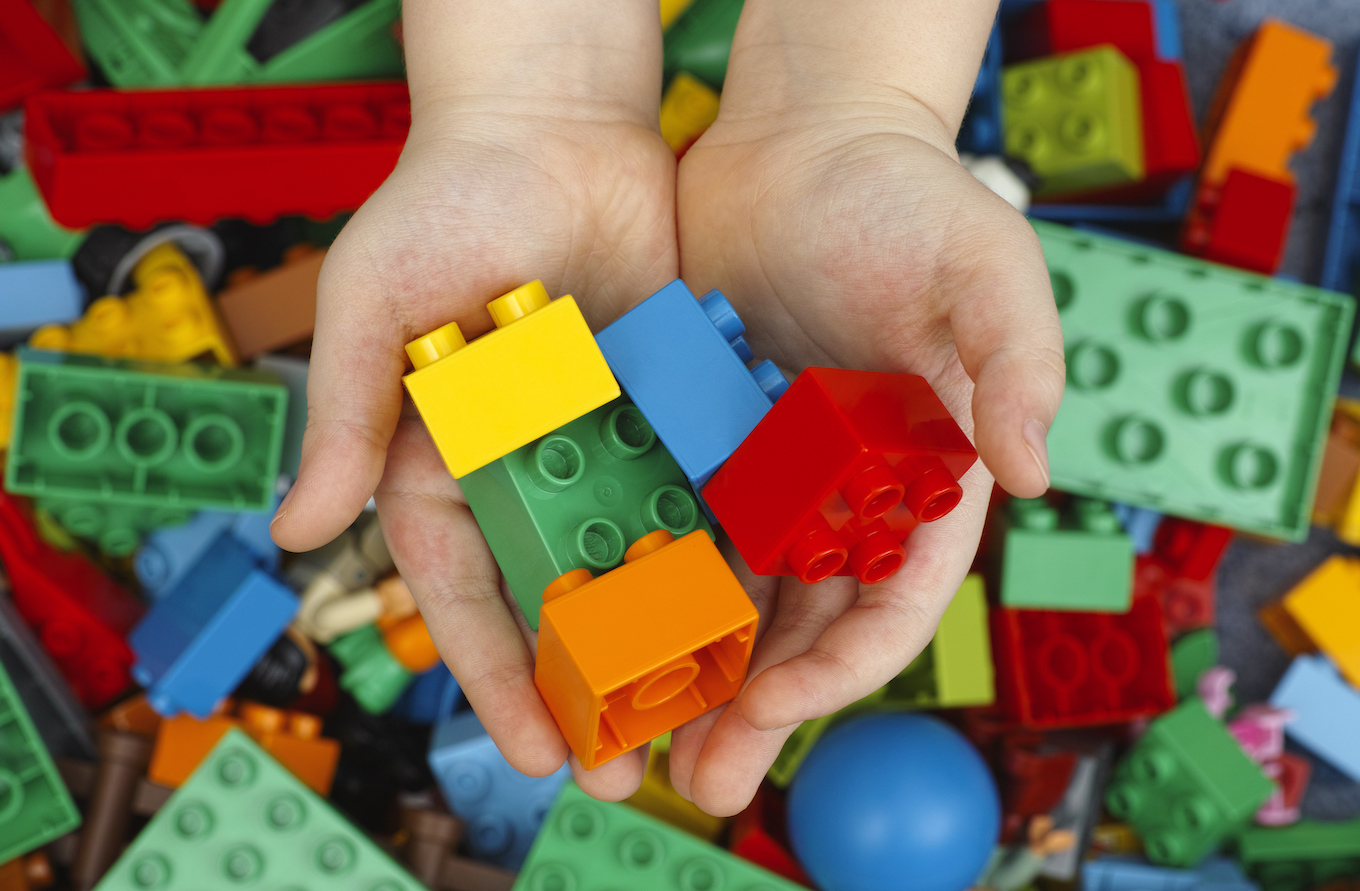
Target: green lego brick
{"points": [[1300, 857], [1076, 119], [1081, 561], [1186, 787], [242, 820], [147, 435], [700, 41], [1192, 389], [588, 844], [1191, 656], [372, 676], [578, 498], [117, 529], [34, 804], [138, 43], [26, 228]]}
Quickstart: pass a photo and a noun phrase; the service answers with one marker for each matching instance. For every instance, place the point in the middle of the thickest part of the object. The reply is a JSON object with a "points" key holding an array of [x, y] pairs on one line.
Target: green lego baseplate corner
{"points": [[1081, 560], [589, 844], [117, 529], [1300, 857], [1192, 655], [145, 435], [1193, 389], [1076, 119], [578, 498], [1186, 787], [34, 804], [242, 820]]}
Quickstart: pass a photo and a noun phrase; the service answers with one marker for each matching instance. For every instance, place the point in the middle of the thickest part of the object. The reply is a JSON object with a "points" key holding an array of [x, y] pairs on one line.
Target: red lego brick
{"points": [[1186, 604], [1064, 26], [838, 473], [759, 835], [1064, 669], [1189, 549], [137, 158], [79, 615], [32, 56], [1033, 782], [1244, 223]]}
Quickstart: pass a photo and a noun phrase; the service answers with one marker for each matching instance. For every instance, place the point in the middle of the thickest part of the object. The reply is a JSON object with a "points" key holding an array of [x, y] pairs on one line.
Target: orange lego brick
{"points": [[1340, 468], [134, 715], [643, 648], [274, 309], [1326, 605], [1282, 627]]}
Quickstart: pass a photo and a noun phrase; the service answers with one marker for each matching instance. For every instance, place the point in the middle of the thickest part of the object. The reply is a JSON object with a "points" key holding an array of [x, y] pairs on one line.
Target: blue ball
{"points": [[894, 802]]}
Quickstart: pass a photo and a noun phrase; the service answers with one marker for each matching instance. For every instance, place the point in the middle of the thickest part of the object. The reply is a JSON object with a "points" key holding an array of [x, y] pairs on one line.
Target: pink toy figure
{"points": [[1215, 688], [1259, 730]]}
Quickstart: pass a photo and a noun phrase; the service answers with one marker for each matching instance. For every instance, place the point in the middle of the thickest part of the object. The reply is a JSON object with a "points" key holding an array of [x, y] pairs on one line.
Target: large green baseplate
{"points": [[34, 804]]}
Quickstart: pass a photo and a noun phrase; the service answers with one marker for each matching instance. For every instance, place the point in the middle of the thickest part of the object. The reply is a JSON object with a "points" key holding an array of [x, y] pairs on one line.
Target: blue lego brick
{"points": [[1141, 525], [980, 133], [422, 703], [34, 293], [1172, 209], [167, 554], [1166, 18], [1327, 710], [683, 363], [503, 808], [1132, 874], [205, 634], [1341, 262]]}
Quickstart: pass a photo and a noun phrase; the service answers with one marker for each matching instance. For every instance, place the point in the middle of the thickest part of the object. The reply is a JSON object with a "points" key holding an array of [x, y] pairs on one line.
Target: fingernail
{"points": [[1036, 440], [283, 507]]}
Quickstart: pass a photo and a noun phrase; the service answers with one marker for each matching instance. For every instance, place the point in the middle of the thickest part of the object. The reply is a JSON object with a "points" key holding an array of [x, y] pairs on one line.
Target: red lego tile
{"points": [[79, 615], [1244, 223], [1064, 26], [32, 56], [759, 835], [137, 158], [838, 473], [1189, 549]]}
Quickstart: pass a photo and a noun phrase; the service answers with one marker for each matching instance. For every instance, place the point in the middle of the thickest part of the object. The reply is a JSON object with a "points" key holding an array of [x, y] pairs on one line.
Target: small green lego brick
{"points": [[117, 529], [1076, 119], [34, 804], [587, 844], [243, 820], [1192, 389], [578, 498], [146, 435], [1186, 787], [27, 230], [372, 675], [1081, 561], [1191, 656], [138, 43], [1300, 857], [700, 41]]}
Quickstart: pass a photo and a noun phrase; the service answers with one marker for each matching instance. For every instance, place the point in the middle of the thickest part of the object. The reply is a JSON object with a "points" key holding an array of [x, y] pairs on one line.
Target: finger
{"points": [[614, 780]]}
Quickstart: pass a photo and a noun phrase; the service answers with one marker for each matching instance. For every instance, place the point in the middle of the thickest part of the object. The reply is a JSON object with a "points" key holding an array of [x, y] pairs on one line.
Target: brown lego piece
{"points": [[134, 715], [123, 757], [1340, 467], [1287, 632], [431, 837], [78, 776], [462, 874], [27, 873], [275, 309]]}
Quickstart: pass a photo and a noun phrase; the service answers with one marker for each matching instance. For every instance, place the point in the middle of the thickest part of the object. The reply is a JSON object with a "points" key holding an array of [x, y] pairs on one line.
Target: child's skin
{"points": [[826, 203]]}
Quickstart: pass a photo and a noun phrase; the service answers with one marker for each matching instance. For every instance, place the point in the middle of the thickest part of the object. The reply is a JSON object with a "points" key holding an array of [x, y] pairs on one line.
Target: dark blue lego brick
{"points": [[1341, 262], [34, 293], [683, 363], [980, 133], [423, 702], [203, 636]]}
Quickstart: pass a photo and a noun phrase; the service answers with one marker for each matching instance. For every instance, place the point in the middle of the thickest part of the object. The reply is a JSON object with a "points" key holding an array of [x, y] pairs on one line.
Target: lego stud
{"points": [[166, 128], [228, 126], [770, 380], [102, 131], [817, 556], [581, 822], [335, 856], [79, 430], [146, 437], [119, 541], [1125, 800], [1274, 345], [642, 849], [1153, 768], [213, 443], [933, 493], [11, 794], [490, 834], [261, 717], [876, 558], [1076, 75], [1062, 663], [1091, 366], [672, 509], [285, 812], [1164, 847], [1023, 89], [61, 639], [1064, 289], [1202, 393], [596, 543], [1132, 440], [666, 683], [873, 492], [648, 544], [1028, 142], [1083, 133], [742, 349], [1116, 660], [556, 463], [83, 520], [193, 821], [566, 582], [150, 871], [1159, 318], [1033, 513], [1194, 813], [1248, 467], [626, 434], [304, 726], [720, 312], [236, 769], [1096, 516], [442, 341], [518, 303]]}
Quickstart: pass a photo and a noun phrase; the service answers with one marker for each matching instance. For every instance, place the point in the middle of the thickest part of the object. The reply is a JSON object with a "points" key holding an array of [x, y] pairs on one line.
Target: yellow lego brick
{"points": [[658, 798], [9, 378], [538, 370], [688, 109], [671, 9], [1326, 605]]}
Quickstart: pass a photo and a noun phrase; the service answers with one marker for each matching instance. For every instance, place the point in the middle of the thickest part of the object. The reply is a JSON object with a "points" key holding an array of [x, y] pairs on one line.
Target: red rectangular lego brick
{"points": [[32, 56], [1186, 604], [1033, 782], [257, 153], [1064, 26], [1189, 549], [838, 473], [1243, 223]]}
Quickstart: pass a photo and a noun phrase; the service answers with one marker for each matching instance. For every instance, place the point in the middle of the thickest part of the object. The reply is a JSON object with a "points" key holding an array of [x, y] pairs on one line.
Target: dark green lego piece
{"points": [[116, 529], [170, 437], [27, 230], [242, 820], [1191, 656], [34, 804], [578, 498], [1081, 561], [138, 43], [1301, 857], [372, 675], [1192, 388], [700, 41], [1186, 787], [588, 844]]}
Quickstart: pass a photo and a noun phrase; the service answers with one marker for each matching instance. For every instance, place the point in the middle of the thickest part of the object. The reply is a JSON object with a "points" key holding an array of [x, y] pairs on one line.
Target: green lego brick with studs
{"points": [[1076, 119], [1300, 857], [1191, 656], [34, 804], [116, 529], [242, 820], [1192, 389], [589, 844], [578, 498], [145, 435], [1186, 787], [1078, 560]]}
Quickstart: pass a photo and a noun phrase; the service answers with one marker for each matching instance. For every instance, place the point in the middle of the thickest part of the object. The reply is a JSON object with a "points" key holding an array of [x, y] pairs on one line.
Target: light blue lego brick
{"points": [[1341, 262], [252, 530], [293, 371], [205, 634], [503, 808], [683, 363], [1166, 18], [168, 553], [422, 703], [1327, 710], [1141, 525], [980, 133], [1172, 209], [34, 293], [1132, 874]]}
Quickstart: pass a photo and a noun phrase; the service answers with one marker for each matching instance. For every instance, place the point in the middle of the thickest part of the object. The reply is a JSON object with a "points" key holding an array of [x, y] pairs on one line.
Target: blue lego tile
{"points": [[980, 133], [683, 364], [1166, 18], [34, 293], [423, 701], [1140, 523], [203, 636], [503, 808], [1341, 262], [1327, 710], [1172, 209], [1133, 874]]}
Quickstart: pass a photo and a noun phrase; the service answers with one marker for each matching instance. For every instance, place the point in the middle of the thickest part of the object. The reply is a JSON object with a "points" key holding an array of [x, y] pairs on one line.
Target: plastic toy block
{"points": [[170, 552], [1058, 669], [1075, 119], [1186, 787], [380, 665], [980, 132], [1129, 874], [1191, 656], [538, 370], [138, 43], [35, 293], [110, 431], [103, 156], [37, 807], [116, 529], [687, 110], [594, 844], [1167, 18], [293, 373], [56, 715], [1242, 222], [111, 795], [1290, 773], [1326, 605], [700, 40], [1327, 712], [242, 818], [1303, 856], [503, 809], [1065, 26], [1341, 262], [577, 498], [955, 668], [671, 10], [658, 798], [1340, 464], [1193, 389], [32, 56], [1033, 779], [1191, 550], [1140, 524], [422, 701], [838, 474], [643, 648], [1084, 563], [759, 835], [27, 230], [275, 309], [683, 363], [203, 636], [78, 614], [430, 837]]}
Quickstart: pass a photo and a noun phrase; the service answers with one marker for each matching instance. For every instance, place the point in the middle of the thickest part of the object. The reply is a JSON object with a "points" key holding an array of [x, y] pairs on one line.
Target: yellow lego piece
{"points": [[168, 318], [688, 109], [658, 798], [1326, 605], [538, 370], [9, 378], [671, 10]]}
